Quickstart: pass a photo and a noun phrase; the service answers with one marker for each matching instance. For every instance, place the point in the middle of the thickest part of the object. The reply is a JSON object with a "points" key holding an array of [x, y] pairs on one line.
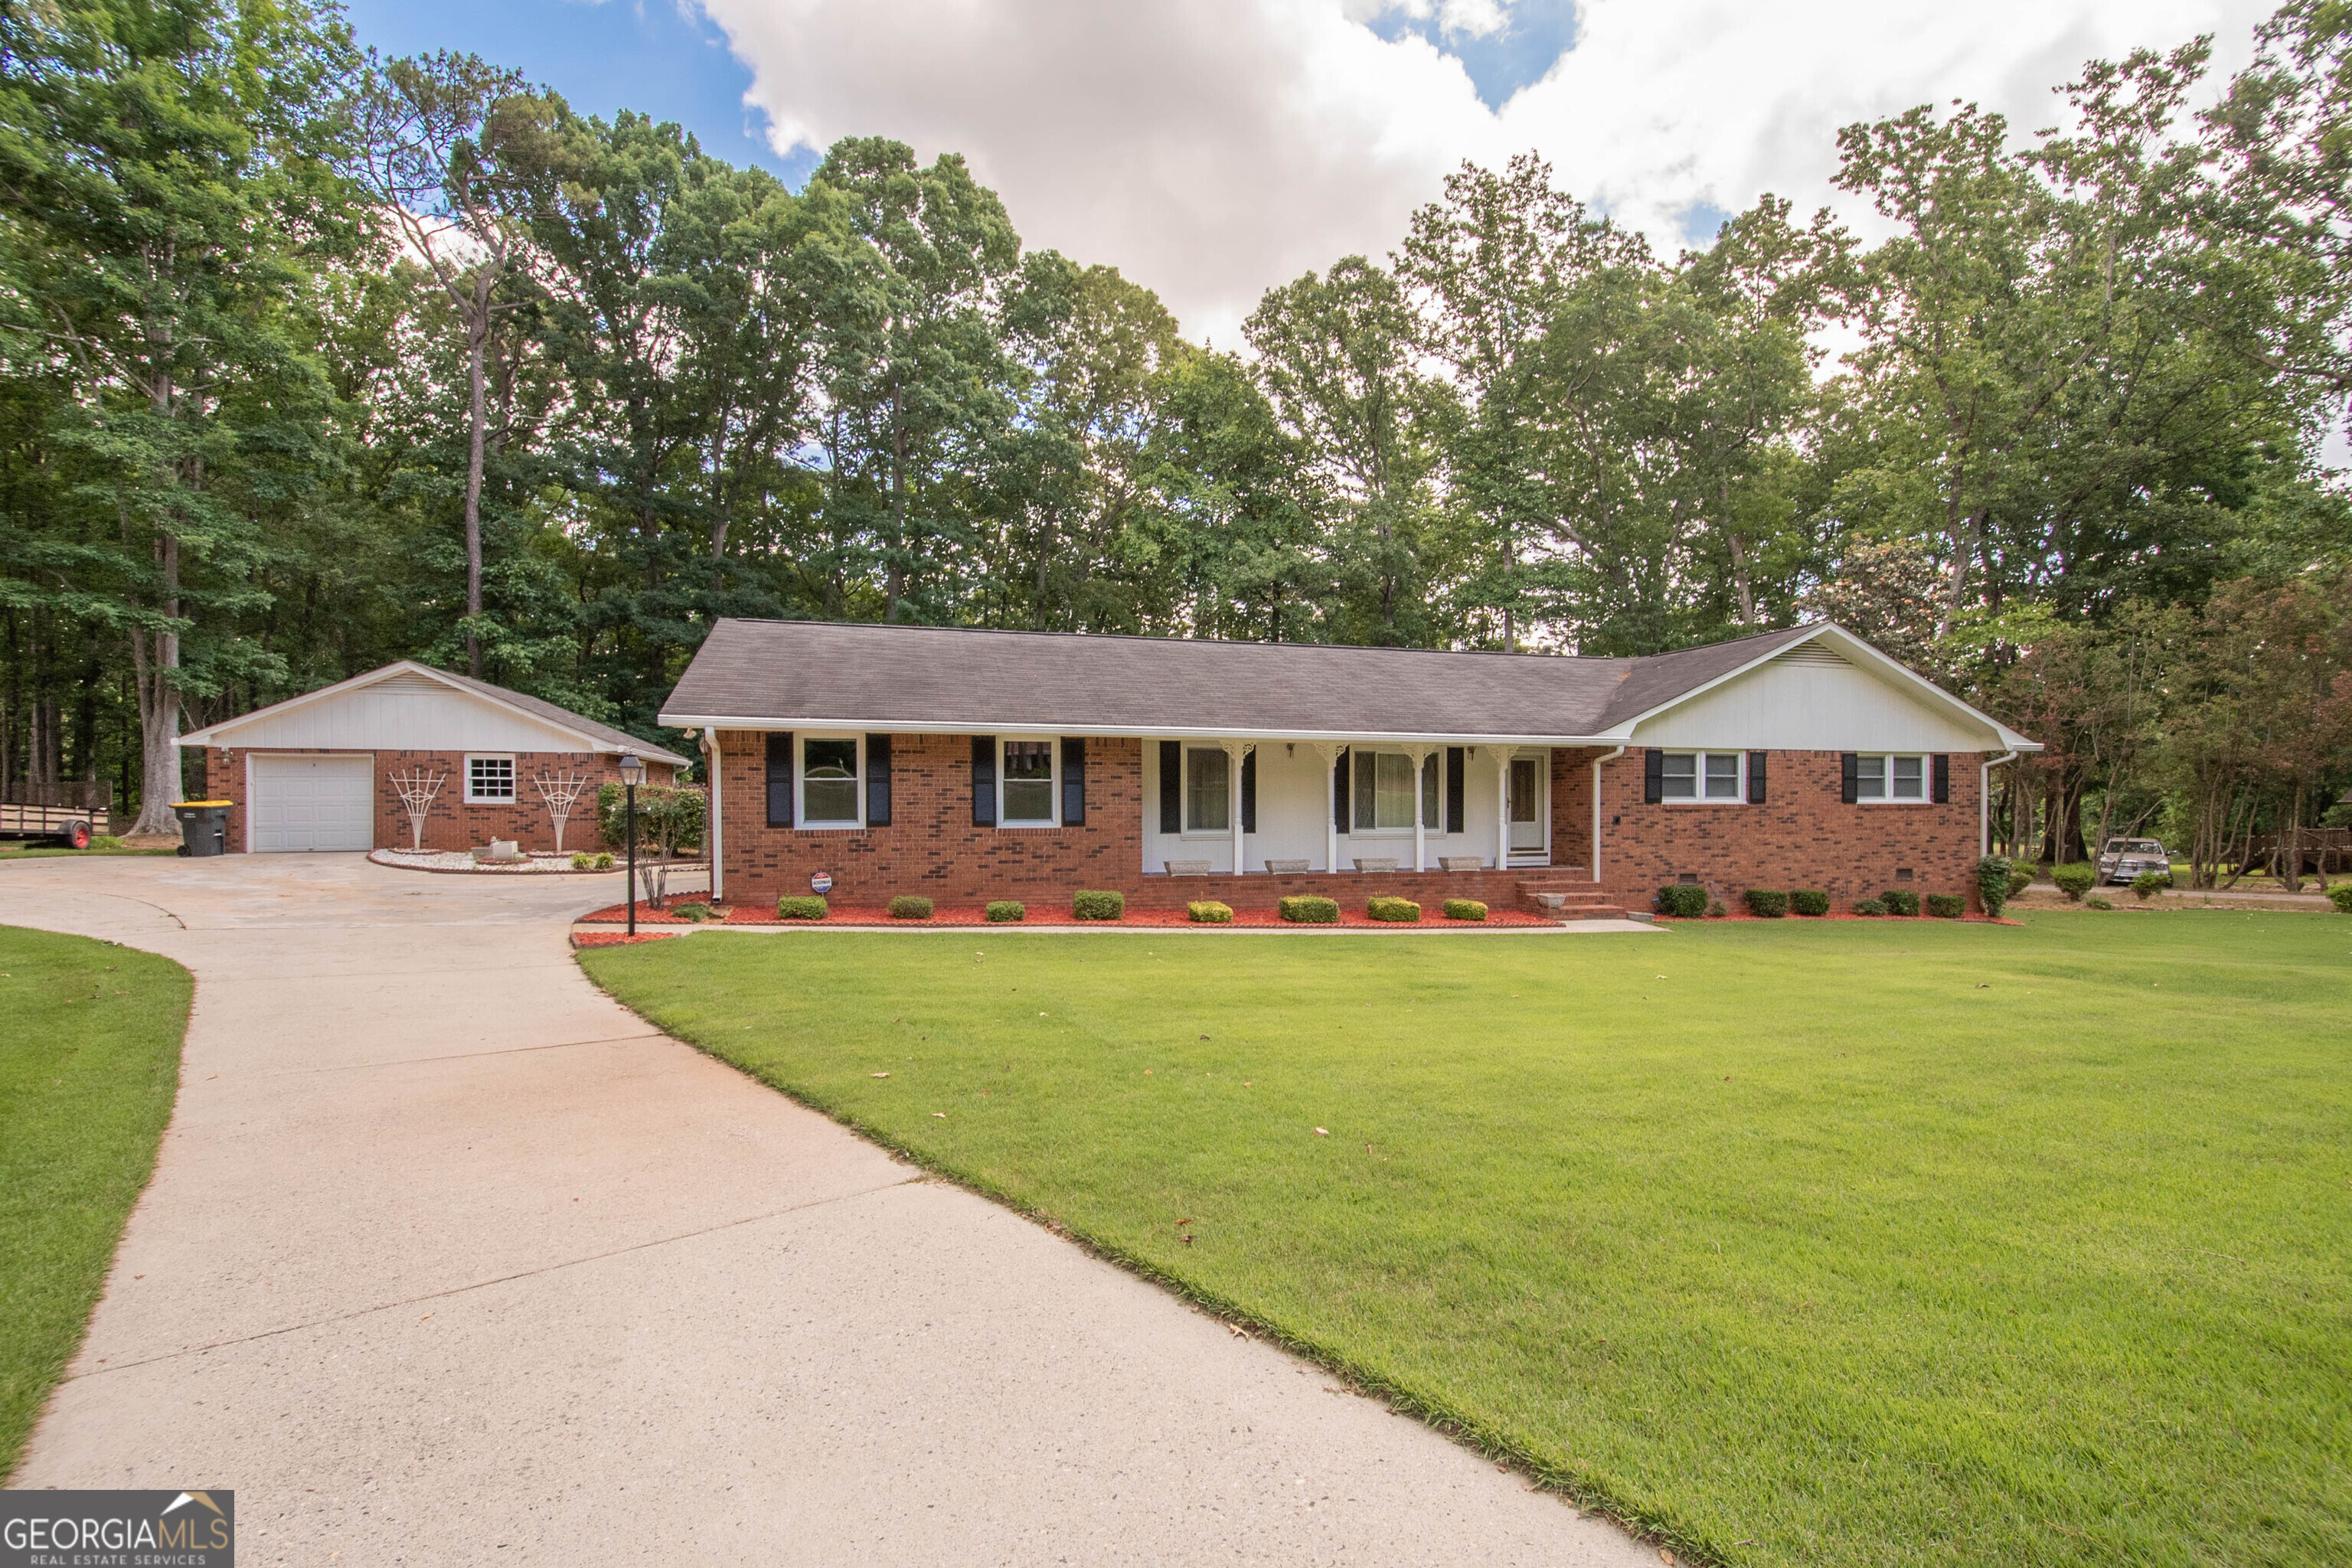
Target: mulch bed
{"points": [[972, 915], [1970, 919]]}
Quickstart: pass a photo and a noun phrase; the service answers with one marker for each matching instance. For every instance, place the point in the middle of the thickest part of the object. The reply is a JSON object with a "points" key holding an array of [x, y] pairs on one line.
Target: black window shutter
{"points": [[877, 781], [1249, 791], [1452, 789], [1943, 780], [1073, 782], [1755, 777], [1368, 789], [1171, 787], [1850, 772], [1340, 793], [1654, 776], [983, 780], [780, 778]]}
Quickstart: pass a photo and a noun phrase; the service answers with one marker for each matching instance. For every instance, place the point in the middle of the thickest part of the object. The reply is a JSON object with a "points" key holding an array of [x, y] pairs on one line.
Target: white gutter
{"points": [[716, 827], [1596, 808], [1984, 802], [1113, 732]]}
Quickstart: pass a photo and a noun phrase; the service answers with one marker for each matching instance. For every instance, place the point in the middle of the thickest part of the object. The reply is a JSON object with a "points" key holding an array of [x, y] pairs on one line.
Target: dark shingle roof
{"points": [[948, 678], [619, 740]]}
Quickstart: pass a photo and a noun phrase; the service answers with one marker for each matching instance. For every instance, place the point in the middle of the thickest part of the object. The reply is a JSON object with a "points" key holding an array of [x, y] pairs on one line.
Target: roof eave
{"points": [[1110, 731]]}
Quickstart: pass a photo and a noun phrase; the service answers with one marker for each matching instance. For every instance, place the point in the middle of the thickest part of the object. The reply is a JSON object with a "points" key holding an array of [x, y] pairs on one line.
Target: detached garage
{"points": [[345, 767]]}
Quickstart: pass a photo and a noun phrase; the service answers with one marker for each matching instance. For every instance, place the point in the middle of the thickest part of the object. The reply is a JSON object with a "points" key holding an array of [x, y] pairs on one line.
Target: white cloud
{"points": [[1213, 148]]}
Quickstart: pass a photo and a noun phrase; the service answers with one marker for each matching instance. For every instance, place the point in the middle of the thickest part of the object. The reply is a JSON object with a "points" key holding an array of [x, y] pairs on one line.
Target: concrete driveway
{"points": [[448, 1260]]}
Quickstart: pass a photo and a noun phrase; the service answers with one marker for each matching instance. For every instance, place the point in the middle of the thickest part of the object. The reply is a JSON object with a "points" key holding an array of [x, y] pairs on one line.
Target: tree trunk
{"points": [[156, 659], [478, 329]]}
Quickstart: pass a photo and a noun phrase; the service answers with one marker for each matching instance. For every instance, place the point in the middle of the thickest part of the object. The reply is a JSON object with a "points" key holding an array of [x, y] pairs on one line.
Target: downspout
{"points": [[718, 818], [1984, 803], [1596, 810]]}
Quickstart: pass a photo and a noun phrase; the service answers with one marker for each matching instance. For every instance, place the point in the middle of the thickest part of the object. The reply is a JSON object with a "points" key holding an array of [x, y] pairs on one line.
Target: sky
{"points": [[1212, 149]]}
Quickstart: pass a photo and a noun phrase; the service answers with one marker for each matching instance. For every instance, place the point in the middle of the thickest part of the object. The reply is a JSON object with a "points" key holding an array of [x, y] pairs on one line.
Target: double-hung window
{"points": [[1387, 790], [1703, 776], [489, 781], [1890, 777], [829, 783], [1208, 790], [1028, 775]]}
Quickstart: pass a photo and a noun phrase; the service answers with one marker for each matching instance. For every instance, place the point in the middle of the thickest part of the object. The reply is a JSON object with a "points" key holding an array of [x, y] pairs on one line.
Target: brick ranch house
{"points": [[968, 765], [321, 771]]}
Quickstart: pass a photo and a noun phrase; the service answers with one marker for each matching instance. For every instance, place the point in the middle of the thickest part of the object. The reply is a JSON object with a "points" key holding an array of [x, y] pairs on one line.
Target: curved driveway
{"points": [[448, 1260]]}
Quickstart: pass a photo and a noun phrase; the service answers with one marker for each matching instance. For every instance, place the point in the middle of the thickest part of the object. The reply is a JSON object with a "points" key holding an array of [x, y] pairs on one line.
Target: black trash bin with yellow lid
{"points": [[204, 825]]}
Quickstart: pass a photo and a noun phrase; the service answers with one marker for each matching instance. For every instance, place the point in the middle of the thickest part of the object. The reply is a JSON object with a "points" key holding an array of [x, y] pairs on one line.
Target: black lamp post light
{"points": [[633, 773]]}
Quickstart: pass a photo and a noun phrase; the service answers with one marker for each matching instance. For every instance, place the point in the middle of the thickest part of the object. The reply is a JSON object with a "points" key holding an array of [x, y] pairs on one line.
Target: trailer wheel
{"points": [[76, 835]]}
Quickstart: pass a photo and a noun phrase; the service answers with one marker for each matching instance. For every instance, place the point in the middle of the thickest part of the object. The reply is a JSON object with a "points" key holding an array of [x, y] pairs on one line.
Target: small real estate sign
{"points": [[820, 882], [117, 1528]]}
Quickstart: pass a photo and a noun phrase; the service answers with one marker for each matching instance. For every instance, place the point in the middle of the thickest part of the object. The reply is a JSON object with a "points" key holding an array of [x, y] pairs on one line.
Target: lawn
{"points": [[90, 1061], [1862, 1242], [99, 844]]}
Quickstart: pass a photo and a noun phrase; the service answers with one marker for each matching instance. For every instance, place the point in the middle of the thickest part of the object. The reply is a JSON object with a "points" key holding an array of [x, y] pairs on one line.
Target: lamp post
{"points": [[633, 773]]}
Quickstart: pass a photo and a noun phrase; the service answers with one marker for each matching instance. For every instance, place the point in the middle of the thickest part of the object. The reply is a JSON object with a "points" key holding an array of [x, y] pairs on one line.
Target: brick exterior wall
{"points": [[451, 823], [1803, 835]]}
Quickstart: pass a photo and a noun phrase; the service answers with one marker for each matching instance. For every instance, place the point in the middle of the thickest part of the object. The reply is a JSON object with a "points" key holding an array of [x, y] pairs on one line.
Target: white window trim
{"points": [[1927, 779], [800, 782], [1698, 780], [1052, 817], [1184, 794], [514, 779]]}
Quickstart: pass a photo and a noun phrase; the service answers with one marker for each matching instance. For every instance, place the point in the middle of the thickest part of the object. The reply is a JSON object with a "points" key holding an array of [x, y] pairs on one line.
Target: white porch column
{"points": [[1420, 755], [1502, 807], [1332, 806], [1236, 750]]}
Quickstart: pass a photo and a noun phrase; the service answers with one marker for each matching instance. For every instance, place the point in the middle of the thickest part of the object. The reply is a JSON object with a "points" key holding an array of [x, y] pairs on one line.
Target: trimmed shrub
{"points": [[2147, 884], [800, 907], [695, 913], [603, 862], [2096, 903], [1309, 909], [1770, 903], [1995, 881], [1464, 909], [1398, 910], [911, 907], [2021, 876], [2074, 878], [1716, 911], [1900, 901], [1682, 902], [1810, 901], [2340, 895], [1099, 906], [583, 862], [1868, 907], [1948, 906], [1209, 912], [1004, 910]]}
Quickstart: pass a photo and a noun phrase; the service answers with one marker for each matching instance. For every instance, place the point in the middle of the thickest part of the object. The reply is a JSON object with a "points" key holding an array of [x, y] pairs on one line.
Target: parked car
{"points": [[2125, 859]]}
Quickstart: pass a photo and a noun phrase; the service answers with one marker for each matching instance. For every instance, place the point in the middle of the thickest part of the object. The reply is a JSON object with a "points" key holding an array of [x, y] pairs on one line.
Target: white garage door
{"points": [[313, 803]]}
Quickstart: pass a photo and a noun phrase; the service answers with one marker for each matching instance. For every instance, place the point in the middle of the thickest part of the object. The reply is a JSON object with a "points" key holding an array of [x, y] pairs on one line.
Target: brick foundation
{"points": [[451, 823]]}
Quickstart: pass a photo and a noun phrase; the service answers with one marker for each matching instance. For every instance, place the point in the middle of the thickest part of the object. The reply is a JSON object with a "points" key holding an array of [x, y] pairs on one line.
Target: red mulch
{"points": [[1794, 919], [972, 915], [619, 938]]}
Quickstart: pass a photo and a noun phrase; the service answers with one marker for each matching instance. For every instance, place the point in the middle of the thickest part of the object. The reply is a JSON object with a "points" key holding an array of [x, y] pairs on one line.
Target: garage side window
{"points": [[489, 781]]}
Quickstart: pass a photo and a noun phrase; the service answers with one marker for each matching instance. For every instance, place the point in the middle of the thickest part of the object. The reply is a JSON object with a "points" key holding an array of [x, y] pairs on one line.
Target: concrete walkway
{"points": [[448, 1260]]}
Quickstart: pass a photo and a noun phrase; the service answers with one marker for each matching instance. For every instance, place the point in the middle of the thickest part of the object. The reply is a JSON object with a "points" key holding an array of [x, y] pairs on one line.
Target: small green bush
{"points": [[2074, 878], [1209, 912], [697, 913], [1464, 909], [2021, 876], [1770, 903], [2096, 903], [1309, 909], [1683, 902], [1900, 901], [1003, 909], [1099, 906], [1996, 879], [603, 862], [1948, 906], [800, 907], [2147, 884], [1397, 911], [1869, 907], [1810, 901], [911, 907], [1717, 909], [583, 862], [2340, 895]]}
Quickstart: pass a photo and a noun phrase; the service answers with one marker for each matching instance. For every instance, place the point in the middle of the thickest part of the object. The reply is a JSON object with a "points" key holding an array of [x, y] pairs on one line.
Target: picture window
{"points": [[1385, 792], [1208, 790]]}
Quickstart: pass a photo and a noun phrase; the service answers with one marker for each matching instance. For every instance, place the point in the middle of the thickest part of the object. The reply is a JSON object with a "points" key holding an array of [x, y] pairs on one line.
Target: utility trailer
{"points": [[63, 813]]}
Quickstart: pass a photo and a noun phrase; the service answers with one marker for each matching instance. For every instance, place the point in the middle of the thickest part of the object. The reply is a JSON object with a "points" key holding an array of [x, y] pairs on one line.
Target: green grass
{"points": [[99, 844], [1887, 1242], [89, 1060]]}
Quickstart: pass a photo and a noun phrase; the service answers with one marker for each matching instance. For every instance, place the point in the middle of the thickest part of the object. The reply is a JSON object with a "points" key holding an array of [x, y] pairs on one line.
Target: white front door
{"points": [[1530, 806], [312, 803]]}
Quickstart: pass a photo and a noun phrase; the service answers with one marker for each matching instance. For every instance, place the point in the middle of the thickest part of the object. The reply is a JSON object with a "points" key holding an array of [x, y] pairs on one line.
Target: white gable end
{"points": [[403, 712], [1813, 699]]}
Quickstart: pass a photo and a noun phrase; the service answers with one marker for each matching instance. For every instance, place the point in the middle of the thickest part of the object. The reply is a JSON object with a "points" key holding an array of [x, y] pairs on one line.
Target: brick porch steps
{"points": [[1565, 892]]}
